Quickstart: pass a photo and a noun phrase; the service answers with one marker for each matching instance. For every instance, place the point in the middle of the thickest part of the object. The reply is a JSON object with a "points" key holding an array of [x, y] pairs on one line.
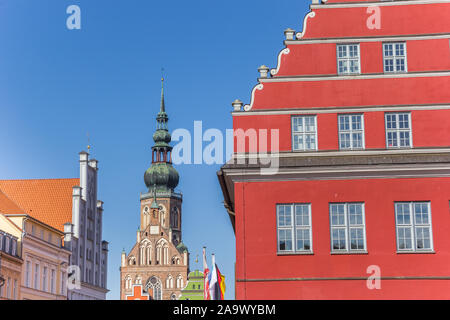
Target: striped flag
{"points": [[222, 287], [206, 275], [216, 282]]}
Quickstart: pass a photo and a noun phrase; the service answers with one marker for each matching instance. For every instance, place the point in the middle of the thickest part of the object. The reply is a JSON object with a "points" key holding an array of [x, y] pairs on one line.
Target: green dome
{"points": [[163, 175], [162, 136]]}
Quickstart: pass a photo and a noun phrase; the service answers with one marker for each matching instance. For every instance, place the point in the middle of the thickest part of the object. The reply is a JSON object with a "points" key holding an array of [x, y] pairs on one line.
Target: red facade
{"points": [[359, 206]]}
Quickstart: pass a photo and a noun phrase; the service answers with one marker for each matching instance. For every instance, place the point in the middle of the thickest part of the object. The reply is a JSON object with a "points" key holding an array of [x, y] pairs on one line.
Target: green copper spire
{"points": [[161, 174], [163, 106]]}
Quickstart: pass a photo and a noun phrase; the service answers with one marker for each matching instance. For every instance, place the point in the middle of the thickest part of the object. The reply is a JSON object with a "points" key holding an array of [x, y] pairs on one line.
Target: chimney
{"points": [[93, 163], [76, 197], [68, 234], [84, 158], [237, 105], [289, 34], [263, 71]]}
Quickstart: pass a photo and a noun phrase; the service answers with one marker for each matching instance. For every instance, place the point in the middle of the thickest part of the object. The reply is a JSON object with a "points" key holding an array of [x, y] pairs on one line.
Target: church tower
{"points": [[159, 261]]}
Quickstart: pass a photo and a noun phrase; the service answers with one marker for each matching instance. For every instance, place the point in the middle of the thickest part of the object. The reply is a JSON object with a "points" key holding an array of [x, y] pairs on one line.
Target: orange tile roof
{"points": [[47, 200], [7, 206]]}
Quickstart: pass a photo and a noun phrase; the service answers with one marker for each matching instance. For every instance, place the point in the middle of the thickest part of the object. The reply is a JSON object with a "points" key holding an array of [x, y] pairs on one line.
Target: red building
{"points": [[359, 205]]}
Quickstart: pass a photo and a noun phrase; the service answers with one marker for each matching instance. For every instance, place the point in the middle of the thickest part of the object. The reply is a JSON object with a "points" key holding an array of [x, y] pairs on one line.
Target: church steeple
{"points": [[161, 173]]}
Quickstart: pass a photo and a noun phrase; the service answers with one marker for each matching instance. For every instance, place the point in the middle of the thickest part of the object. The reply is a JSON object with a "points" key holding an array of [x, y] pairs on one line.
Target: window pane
{"points": [[298, 124], [388, 50], [355, 214], [302, 215], [423, 240], [338, 238], [303, 239], [284, 216], [284, 240], [357, 239], [404, 238], [337, 215]]}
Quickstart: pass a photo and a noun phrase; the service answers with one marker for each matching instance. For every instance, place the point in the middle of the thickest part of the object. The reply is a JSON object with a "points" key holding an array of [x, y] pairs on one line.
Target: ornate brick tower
{"points": [[159, 261]]}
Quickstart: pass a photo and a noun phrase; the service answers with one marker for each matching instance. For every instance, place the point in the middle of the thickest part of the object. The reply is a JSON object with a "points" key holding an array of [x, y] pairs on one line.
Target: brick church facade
{"points": [[159, 261], [360, 101]]}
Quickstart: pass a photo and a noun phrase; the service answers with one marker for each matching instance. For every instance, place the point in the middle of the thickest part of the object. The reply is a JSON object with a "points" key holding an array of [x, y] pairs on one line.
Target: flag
{"points": [[213, 281], [222, 287], [216, 282], [206, 275]]}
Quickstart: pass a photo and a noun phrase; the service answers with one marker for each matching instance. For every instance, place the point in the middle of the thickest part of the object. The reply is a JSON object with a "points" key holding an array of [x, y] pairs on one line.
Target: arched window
{"points": [[174, 218], [149, 253], [154, 288], [132, 261], [179, 281], [169, 282], [138, 280], [128, 282], [162, 216]]}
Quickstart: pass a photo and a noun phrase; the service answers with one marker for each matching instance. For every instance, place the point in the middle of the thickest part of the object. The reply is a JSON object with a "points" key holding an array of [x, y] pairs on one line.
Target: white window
{"points": [[44, 279], [8, 289], [413, 222], [52, 282], [27, 274], [7, 242], [348, 230], [63, 281], [348, 59], [394, 57], [398, 130], [15, 290], [304, 133], [294, 228], [36, 276], [351, 131]]}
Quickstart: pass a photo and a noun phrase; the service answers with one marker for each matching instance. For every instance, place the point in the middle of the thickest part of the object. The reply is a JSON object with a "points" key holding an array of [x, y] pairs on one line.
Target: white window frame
{"points": [[44, 279], [293, 229], [395, 57], [347, 227], [413, 225], [36, 277], [398, 130], [52, 281], [304, 133], [28, 274], [348, 59], [351, 131]]}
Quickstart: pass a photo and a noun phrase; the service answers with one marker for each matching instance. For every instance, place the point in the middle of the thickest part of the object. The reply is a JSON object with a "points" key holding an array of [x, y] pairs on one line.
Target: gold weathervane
{"points": [[89, 142]]}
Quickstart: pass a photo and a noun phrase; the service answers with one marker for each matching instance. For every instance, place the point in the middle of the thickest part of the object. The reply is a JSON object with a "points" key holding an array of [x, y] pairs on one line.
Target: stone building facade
{"points": [[159, 261], [10, 267], [70, 211]]}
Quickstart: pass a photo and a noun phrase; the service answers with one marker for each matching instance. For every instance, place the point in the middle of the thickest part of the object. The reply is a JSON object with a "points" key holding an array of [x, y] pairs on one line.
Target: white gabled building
{"points": [[89, 259]]}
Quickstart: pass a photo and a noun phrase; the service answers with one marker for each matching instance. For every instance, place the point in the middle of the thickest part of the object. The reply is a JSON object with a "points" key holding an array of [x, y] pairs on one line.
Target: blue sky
{"points": [[58, 84]]}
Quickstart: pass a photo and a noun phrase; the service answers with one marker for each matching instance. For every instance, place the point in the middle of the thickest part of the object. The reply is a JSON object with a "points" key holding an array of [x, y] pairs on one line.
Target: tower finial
{"points": [[163, 107], [89, 143]]}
